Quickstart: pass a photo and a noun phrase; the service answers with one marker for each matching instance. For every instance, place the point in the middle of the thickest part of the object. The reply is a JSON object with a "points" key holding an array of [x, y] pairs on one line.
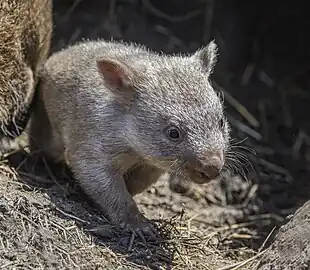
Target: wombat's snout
{"points": [[211, 164]]}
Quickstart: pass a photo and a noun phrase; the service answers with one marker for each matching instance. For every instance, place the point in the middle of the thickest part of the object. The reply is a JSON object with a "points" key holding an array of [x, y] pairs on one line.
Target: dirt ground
{"points": [[46, 221]]}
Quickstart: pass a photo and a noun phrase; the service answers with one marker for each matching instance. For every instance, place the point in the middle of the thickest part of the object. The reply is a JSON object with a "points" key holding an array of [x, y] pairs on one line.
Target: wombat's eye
{"points": [[173, 133]]}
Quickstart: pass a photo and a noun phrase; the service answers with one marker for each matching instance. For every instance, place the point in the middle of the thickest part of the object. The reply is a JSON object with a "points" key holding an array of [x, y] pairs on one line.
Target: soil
{"points": [[291, 246], [46, 222]]}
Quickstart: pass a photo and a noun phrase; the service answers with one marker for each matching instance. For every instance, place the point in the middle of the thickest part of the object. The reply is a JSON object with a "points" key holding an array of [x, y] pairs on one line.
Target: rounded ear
{"points": [[208, 56], [117, 74]]}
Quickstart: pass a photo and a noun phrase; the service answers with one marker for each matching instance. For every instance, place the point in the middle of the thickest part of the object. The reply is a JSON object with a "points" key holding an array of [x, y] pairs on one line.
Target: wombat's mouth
{"points": [[198, 177], [202, 175]]}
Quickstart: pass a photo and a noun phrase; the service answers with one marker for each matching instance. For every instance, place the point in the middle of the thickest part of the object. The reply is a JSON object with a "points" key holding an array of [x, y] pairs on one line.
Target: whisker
{"points": [[245, 148], [240, 170], [236, 165], [239, 161], [238, 142], [231, 167]]}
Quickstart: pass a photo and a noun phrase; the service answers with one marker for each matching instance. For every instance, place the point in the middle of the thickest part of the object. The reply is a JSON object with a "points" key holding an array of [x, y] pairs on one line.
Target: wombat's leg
{"points": [[42, 137], [54, 149], [40, 131], [108, 189], [140, 178]]}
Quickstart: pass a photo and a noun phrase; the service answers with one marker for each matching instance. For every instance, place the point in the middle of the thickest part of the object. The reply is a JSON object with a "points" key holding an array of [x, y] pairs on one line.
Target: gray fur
{"points": [[109, 134]]}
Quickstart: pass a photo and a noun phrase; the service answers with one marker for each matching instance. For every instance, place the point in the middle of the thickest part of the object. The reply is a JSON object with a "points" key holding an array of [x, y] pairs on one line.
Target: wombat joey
{"points": [[25, 34], [121, 116]]}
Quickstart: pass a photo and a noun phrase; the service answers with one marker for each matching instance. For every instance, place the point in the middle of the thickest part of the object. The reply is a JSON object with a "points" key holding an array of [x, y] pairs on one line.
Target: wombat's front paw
{"points": [[141, 226], [138, 225]]}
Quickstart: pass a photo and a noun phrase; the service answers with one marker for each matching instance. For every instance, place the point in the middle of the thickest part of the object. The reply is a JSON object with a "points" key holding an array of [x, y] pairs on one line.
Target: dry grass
{"points": [[52, 227]]}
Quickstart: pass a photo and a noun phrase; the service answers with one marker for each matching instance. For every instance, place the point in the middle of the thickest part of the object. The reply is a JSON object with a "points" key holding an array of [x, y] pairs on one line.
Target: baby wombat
{"points": [[25, 35], [120, 116]]}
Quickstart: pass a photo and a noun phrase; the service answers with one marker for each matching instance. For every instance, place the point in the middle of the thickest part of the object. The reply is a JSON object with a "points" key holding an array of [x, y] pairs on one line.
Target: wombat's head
{"points": [[174, 119]]}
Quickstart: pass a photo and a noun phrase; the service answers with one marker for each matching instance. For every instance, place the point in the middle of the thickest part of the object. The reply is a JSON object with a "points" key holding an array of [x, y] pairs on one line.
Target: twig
{"points": [[36, 178], [28, 219], [263, 76], [175, 19], [266, 216], [301, 138], [263, 118], [263, 246], [6, 265], [297, 145], [71, 216], [247, 74], [242, 127], [132, 238], [276, 168], [252, 221], [250, 195], [72, 8], [239, 107], [240, 264], [267, 238], [53, 176]]}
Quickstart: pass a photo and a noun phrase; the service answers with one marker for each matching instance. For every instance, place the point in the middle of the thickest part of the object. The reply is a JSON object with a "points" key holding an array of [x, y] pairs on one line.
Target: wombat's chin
{"points": [[198, 177]]}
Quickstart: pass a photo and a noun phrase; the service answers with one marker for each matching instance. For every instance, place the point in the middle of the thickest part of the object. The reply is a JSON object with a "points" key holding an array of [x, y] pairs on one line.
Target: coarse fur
{"points": [[25, 36], [104, 108]]}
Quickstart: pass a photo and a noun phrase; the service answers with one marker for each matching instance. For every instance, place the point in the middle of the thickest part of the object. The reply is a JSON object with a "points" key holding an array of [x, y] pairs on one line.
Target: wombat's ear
{"points": [[208, 56], [119, 75]]}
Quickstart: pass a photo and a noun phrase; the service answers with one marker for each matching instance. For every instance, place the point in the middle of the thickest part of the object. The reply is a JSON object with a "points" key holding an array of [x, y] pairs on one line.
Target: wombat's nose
{"points": [[212, 171], [213, 164]]}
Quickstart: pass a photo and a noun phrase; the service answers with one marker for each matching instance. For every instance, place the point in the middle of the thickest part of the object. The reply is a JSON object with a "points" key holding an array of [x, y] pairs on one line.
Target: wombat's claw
{"points": [[142, 230], [140, 234]]}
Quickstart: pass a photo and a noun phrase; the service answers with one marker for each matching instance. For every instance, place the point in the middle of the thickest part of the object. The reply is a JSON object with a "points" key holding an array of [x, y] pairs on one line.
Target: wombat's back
{"points": [[25, 36]]}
